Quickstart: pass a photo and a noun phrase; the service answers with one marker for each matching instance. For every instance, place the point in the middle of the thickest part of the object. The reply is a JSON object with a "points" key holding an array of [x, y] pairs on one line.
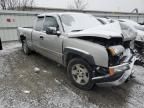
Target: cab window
{"points": [[39, 24], [50, 22]]}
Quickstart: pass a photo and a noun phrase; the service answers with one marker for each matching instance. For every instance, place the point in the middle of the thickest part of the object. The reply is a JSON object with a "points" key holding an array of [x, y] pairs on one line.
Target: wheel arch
{"points": [[70, 53], [22, 38]]}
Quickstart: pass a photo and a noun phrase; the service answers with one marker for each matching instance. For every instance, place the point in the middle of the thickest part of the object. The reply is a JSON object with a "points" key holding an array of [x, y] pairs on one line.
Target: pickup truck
{"points": [[92, 53]]}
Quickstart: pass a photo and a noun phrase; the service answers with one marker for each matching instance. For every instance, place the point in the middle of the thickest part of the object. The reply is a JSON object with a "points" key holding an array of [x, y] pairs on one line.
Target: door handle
{"points": [[41, 37]]}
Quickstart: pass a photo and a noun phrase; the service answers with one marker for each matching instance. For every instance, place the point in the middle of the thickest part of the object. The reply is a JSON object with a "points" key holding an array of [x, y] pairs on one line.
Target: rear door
{"points": [[36, 34]]}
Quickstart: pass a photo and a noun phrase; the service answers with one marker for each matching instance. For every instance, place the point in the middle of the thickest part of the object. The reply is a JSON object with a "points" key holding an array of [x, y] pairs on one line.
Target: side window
{"points": [[39, 24], [50, 22]]}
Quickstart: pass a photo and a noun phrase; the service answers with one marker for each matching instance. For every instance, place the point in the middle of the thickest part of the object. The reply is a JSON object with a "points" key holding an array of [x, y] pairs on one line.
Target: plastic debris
{"points": [[21, 76], [45, 71], [37, 70], [26, 91], [57, 81]]}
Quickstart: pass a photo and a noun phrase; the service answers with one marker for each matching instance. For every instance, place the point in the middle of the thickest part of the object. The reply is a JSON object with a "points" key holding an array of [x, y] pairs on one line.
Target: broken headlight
{"points": [[116, 50]]}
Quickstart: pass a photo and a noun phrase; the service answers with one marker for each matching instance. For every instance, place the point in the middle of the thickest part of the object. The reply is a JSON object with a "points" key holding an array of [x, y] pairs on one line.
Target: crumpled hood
{"points": [[105, 31]]}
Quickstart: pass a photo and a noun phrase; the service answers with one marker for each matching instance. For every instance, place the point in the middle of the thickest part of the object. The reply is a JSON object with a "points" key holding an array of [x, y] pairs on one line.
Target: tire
{"points": [[80, 74], [25, 48]]}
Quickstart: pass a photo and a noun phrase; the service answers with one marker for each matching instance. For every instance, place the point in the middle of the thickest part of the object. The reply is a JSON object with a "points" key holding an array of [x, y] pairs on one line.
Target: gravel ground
{"points": [[22, 87]]}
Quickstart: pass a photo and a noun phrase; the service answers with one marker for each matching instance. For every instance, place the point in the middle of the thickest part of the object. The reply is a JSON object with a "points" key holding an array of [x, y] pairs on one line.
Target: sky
{"points": [[101, 5]]}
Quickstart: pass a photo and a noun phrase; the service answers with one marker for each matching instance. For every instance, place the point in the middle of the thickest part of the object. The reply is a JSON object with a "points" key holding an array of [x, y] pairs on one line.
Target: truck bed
{"points": [[27, 32]]}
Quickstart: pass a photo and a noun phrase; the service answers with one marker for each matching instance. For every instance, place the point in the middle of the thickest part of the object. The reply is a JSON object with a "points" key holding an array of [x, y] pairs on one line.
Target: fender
{"points": [[84, 54]]}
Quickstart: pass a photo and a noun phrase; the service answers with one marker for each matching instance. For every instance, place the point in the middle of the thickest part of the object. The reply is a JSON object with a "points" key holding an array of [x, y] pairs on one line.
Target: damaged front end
{"points": [[117, 46], [121, 62]]}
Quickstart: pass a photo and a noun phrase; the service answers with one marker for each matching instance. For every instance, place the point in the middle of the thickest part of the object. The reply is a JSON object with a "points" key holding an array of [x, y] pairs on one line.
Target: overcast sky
{"points": [[103, 5]]}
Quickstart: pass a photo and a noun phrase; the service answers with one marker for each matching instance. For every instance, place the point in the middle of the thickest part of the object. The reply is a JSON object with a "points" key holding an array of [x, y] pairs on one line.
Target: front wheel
{"points": [[80, 73]]}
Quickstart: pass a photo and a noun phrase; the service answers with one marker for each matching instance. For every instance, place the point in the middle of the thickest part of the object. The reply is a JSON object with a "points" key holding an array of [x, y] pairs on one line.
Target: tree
{"points": [[23, 4], [3, 4], [11, 4], [16, 4], [79, 4]]}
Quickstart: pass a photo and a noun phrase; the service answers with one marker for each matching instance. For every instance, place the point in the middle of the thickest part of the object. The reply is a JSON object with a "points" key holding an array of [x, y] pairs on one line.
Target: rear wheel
{"points": [[80, 73], [25, 48]]}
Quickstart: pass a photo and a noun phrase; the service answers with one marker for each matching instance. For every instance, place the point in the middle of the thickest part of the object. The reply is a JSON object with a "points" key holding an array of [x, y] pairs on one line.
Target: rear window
{"points": [[39, 24]]}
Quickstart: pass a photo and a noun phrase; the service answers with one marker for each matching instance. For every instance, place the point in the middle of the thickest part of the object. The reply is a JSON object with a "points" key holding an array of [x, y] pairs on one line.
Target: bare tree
{"points": [[16, 4], [78, 4], [11, 4], [3, 4], [26, 3]]}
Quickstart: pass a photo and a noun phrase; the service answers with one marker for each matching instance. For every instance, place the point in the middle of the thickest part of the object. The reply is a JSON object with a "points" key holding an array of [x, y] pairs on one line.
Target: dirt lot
{"points": [[21, 87]]}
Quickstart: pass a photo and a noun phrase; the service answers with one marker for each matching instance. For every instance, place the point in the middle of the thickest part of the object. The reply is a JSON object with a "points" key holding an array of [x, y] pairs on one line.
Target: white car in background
{"points": [[137, 27], [139, 41], [128, 30]]}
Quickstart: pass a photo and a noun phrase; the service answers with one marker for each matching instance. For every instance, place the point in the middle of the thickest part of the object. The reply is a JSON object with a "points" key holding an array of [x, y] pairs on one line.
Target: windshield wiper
{"points": [[76, 30]]}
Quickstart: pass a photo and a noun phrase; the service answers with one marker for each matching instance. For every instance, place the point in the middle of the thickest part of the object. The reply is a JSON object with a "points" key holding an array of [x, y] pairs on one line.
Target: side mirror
{"points": [[52, 31]]}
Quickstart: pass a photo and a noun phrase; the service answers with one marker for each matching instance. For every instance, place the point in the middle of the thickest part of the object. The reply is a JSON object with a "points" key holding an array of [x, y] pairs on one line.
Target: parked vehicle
{"points": [[92, 53], [137, 27], [128, 31], [139, 41]]}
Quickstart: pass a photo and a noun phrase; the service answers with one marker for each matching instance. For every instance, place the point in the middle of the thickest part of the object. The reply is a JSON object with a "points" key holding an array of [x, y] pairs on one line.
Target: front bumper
{"points": [[122, 73]]}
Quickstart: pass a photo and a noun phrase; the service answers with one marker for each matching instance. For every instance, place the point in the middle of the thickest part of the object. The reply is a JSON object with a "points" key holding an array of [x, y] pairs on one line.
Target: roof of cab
{"points": [[59, 13]]}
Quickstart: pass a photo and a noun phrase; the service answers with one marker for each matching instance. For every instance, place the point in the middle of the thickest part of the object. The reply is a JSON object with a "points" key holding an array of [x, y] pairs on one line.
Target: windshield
{"points": [[77, 22]]}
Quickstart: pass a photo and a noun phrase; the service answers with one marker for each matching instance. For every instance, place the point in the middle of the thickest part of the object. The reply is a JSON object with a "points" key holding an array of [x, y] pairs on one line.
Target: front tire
{"points": [[80, 74], [25, 48]]}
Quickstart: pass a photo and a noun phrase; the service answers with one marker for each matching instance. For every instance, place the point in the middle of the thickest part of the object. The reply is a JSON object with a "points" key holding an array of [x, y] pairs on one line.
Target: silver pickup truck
{"points": [[92, 53]]}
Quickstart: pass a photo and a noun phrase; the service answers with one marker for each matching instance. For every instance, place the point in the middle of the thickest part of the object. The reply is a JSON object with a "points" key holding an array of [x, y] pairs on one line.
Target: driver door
{"points": [[51, 43]]}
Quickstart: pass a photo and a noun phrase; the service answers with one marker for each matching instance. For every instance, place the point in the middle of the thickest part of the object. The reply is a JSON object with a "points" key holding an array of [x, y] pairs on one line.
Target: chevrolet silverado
{"points": [[92, 53]]}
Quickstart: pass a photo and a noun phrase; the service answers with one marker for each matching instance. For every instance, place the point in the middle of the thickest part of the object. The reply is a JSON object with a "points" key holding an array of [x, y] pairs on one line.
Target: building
{"points": [[10, 20]]}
